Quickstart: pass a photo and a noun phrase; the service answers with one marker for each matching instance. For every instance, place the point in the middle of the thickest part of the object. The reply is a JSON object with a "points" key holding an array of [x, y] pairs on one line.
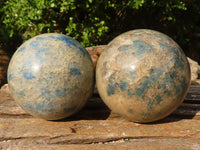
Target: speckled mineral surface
{"points": [[143, 75], [51, 76]]}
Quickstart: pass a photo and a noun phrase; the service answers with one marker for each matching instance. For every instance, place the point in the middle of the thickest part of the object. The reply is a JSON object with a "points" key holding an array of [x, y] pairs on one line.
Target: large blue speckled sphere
{"points": [[51, 76], [143, 75]]}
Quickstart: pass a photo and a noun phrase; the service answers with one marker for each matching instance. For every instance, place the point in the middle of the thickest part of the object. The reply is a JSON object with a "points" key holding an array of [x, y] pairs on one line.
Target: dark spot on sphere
{"points": [[111, 89]]}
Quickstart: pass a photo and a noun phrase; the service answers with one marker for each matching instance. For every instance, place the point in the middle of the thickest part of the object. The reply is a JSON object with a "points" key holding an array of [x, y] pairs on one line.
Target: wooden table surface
{"points": [[96, 127]]}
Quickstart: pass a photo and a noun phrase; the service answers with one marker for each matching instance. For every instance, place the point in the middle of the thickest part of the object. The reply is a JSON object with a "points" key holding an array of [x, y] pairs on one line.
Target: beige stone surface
{"points": [[46, 77], [195, 69], [96, 51], [95, 127], [143, 75]]}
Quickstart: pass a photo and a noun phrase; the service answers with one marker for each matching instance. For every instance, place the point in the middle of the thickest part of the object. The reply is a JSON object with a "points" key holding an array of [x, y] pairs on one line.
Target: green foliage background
{"points": [[95, 22]]}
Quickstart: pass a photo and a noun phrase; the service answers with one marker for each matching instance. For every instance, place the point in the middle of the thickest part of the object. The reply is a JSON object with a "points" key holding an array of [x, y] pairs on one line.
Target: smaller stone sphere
{"points": [[51, 76], [143, 75]]}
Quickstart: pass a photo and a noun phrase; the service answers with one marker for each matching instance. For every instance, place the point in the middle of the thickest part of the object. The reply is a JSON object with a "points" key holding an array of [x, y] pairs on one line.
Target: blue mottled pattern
{"points": [[21, 93], [28, 75], [141, 47], [69, 41], [179, 63], [142, 88], [148, 82], [168, 81], [174, 74], [163, 86], [130, 93], [156, 73], [42, 49], [28, 64], [146, 78], [177, 56], [39, 52], [50, 77], [169, 48], [164, 46], [182, 86], [21, 49], [39, 57], [169, 92], [40, 38], [139, 31], [159, 99], [44, 106], [39, 107], [133, 75], [47, 95], [157, 36], [34, 44], [60, 92], [183, 82], [177, 89], [74, 71], [111, 89], [10, 76], [123, 85], [150, 104]]}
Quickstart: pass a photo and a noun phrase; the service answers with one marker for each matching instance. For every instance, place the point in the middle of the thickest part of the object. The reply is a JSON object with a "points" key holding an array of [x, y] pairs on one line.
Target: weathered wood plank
{"points": [[95, 130], [121, 144], [188, 109]]}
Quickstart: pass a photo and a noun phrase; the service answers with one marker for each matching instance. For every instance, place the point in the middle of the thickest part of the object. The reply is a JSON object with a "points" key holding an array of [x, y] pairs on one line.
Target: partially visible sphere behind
{"points": [[143, 75], [51, 76]]}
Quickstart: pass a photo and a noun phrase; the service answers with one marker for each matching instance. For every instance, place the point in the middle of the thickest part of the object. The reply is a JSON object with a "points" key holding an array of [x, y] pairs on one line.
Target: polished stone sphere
{"points": [[143, 75], [51, 76]]}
